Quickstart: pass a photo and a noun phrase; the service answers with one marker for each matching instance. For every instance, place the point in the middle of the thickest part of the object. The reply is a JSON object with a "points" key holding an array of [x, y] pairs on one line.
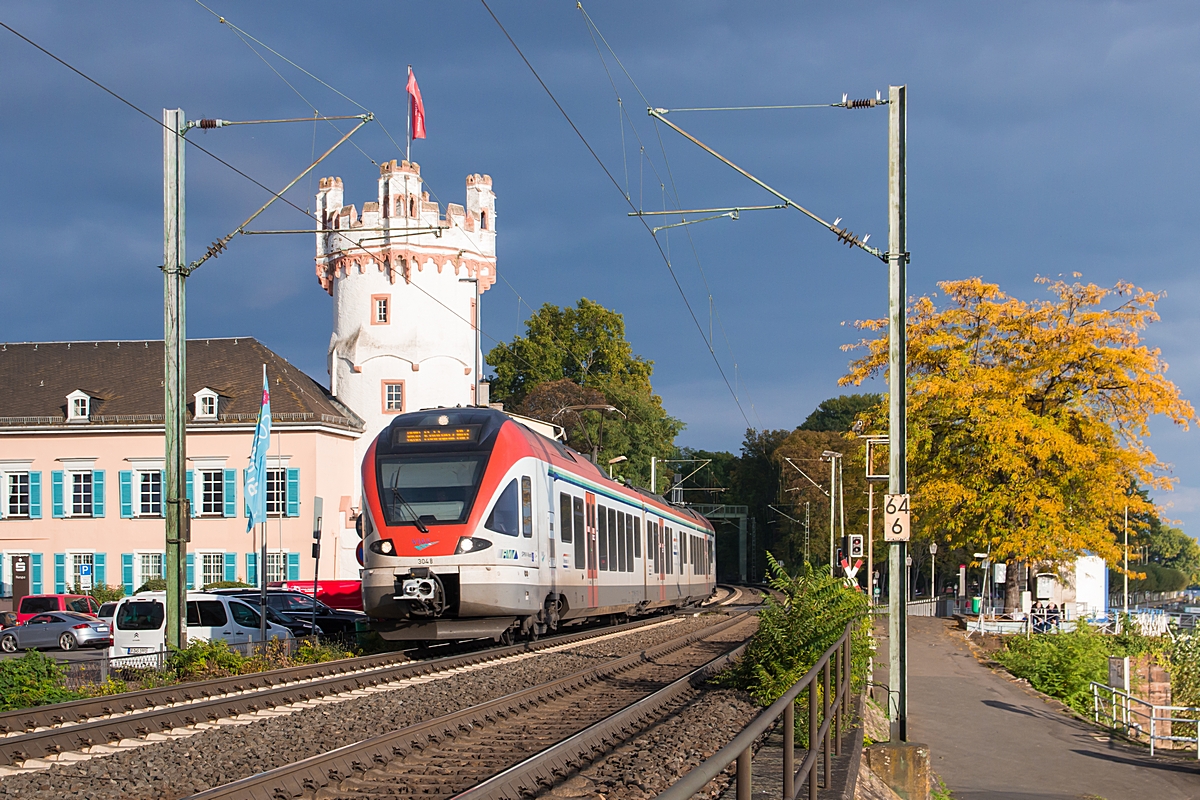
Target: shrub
{"points": [[228, 585], [32, 680], [1061, 665], [202, 660], [793, 634], [1184, 660], [152, 585]]}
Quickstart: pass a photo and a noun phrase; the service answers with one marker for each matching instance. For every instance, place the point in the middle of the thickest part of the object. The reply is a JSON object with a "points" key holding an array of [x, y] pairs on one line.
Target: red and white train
{"points": [[476, 526]]}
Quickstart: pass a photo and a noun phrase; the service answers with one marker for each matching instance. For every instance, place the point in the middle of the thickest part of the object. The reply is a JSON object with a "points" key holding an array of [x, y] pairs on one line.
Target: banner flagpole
{"points": [[408, 132]]}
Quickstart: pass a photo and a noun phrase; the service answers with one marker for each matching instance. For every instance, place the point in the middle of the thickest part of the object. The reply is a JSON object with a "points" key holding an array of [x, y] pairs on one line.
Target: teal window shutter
{"points": [[252, 568], [191, 492], [293, 571], [126, 482], [245, 499], [98, 493], [127, 572], [293, 492], [35, 495], [100, 569], [230, 493], [191, 570], [56, 493], [231, 566], [35, 567], [60, 573]]}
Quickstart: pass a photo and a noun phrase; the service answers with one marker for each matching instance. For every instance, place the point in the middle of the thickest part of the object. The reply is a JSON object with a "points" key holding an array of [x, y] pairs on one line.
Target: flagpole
{"points": [[408, 133], [262, 564]]}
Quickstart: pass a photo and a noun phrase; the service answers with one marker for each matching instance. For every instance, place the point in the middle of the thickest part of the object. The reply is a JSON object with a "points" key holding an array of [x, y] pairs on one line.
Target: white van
{"points": [[139, 623]]}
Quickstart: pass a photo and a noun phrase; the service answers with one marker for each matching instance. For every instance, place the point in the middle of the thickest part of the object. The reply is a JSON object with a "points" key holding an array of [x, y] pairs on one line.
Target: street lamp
{"points": [[932, 575], [616, 460], [603, 407]]}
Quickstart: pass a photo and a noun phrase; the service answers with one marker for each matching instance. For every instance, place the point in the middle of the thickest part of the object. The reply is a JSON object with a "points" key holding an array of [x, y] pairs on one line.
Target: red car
{"points": [[33, 604], [345, 595]]}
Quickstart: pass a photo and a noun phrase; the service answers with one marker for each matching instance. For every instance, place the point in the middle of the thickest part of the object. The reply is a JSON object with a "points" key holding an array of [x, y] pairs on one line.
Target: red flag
{"points": [[416, 106]]}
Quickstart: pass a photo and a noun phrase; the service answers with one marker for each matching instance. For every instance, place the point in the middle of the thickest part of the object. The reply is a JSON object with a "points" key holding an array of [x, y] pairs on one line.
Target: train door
{"points": [[534, 555], [664, 550], [592, 574]]}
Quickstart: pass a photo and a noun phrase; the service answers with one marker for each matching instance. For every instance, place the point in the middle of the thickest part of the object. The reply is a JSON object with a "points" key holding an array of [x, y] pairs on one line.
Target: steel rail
{"points": [[154, 718], [317, 772], [560, 760]]}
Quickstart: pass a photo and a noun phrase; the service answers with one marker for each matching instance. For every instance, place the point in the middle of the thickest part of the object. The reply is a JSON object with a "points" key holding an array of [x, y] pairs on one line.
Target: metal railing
{"points": [[825, 714], [1140, 719]]}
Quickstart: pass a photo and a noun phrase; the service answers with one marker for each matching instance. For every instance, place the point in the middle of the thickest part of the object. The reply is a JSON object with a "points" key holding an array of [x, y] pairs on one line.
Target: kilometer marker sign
{"points": [[896, 518]]}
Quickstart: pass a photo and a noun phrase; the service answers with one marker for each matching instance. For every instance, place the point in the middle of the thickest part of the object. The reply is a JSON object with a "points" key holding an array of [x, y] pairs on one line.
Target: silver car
{"points": [[66, 630]]}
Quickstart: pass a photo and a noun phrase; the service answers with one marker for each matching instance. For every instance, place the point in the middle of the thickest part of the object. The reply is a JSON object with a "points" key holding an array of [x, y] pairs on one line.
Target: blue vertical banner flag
{"points": [[256, 473]]}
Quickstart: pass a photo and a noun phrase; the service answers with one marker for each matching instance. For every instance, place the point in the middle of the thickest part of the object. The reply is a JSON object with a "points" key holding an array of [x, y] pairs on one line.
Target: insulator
{"points": [[215, 249], [209, 124], [870, 103]]}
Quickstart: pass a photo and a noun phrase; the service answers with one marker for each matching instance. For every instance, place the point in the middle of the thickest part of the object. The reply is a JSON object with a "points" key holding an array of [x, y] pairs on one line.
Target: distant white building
{"points": [[405, 283]]}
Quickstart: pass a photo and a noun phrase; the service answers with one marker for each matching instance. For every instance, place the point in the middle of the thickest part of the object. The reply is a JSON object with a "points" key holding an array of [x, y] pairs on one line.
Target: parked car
{"points": [[66, 630], [139, 624], [33, 604], [107, 610], [332, 621], [335, 594], [7, 619], [300, 628]]}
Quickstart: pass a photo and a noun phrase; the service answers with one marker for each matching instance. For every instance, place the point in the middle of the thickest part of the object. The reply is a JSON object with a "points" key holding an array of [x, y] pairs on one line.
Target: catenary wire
{"points": [[595, 31], [616, 184]]}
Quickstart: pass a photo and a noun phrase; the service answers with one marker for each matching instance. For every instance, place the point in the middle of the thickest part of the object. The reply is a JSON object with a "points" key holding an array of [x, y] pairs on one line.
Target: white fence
{"points": [[1145, 721]]}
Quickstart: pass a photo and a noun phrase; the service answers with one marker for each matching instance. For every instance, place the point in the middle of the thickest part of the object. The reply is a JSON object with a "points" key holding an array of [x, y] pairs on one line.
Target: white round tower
{"points": [[405, 283]]}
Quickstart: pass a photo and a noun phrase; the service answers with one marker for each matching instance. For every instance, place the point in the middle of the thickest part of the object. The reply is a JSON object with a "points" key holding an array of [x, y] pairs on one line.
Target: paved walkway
{"points": [[992, 739]]}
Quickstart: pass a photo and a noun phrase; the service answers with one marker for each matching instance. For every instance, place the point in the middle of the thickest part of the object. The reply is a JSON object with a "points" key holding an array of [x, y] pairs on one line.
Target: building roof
{"points": [[125, 382]]}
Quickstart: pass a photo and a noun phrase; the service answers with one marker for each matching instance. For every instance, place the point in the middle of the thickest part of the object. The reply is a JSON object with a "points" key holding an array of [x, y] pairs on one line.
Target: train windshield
{"points": [[432, 488]]}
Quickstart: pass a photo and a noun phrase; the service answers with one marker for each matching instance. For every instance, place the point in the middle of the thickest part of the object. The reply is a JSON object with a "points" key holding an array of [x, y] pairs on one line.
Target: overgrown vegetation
{"points": [[1063, 665], [36, 679], [152, 585], [101, 591], [793, 634]]}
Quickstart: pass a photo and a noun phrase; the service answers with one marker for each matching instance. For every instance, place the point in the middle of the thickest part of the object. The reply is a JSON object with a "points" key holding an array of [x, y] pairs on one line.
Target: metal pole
{"points": [[789, 751], [262, 585], [478, 340], [897, 412], [812, 736], [871, 542], [832, 508], [807, 557], [175, 375], [1126, 560], [653, 475], [842, 506], [743, 774]]}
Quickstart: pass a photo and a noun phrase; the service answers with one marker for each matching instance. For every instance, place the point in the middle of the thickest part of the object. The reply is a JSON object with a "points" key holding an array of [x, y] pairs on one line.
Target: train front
{"points": [[426, 482]]}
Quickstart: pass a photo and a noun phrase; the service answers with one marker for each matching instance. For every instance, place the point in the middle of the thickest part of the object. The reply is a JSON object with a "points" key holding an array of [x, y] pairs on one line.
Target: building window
{"points": [[381, 309], [77, 561], [16, 503], [79, 407], [208, 405], [276, 492], [276, 567], [150, 567], [150, 494], [81, 494], [483, 220], [212, 488], [393, 397], [212, 568]]}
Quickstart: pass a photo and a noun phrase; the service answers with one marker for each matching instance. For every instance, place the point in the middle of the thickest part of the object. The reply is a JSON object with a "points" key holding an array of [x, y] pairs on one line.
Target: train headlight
{"points": [[469, 544], [384, 547]]}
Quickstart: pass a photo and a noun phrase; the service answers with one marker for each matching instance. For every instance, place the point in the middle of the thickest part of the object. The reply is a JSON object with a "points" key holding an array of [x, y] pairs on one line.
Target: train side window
{"points": [[683, 553], [629, 540], [612, 540], [564, 516], [505, 516], [622, 556], [526, 508], [657, 549], [637, 537], [581, 530], [602, 536]]}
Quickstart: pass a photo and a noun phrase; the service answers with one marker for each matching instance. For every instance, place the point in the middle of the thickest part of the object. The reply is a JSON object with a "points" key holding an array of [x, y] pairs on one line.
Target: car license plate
{"points": [[102, 628], [138, 650]]}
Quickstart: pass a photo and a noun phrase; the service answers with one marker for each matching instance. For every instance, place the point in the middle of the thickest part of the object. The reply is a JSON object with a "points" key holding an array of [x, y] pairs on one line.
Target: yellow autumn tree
{"points": [[1028, 421]]}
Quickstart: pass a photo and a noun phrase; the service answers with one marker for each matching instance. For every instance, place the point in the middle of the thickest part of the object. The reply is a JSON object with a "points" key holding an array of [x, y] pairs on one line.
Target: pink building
{"points": [[81, 459]]}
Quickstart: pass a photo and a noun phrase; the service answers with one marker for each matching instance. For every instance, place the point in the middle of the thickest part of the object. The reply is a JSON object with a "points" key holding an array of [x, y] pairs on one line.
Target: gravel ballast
{"points": [[176, 768]]}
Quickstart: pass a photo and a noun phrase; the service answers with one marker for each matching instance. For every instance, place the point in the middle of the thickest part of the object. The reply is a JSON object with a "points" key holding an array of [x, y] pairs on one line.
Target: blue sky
{"points": [[1045, 138]]}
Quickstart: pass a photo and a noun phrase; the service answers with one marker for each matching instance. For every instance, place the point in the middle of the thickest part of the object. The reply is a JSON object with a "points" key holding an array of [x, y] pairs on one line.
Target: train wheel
{"points": [[505, 639]]}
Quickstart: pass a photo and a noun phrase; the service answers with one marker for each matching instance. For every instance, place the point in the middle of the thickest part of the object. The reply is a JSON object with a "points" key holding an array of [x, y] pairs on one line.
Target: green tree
{"points": [[839, 413], [579, 356], [585, 344]]}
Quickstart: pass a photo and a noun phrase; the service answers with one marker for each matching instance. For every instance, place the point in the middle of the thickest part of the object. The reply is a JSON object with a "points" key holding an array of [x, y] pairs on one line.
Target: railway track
{"points": [[510, 746], [35, 738]]}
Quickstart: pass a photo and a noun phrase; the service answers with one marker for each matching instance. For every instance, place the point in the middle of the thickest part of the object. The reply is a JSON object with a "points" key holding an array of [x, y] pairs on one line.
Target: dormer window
{"points": [[79, 406], [206, 404]]}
